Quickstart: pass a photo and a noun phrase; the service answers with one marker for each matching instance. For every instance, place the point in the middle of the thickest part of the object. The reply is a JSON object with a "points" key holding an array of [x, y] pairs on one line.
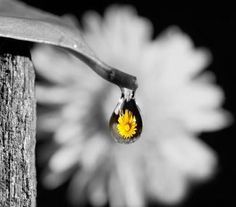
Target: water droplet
{"points": [[126, 122]]}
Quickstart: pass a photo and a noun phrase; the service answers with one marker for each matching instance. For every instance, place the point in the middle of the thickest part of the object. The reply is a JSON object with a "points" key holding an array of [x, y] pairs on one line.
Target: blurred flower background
{"points": [[178, 98]]}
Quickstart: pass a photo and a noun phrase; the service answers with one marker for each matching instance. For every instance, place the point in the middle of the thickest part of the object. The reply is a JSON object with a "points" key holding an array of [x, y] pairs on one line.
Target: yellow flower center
{"points": [[127, 125]]}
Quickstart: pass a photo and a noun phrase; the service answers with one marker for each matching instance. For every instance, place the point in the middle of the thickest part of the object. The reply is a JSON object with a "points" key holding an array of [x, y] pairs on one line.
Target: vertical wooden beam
{"points": [[17, 125]]}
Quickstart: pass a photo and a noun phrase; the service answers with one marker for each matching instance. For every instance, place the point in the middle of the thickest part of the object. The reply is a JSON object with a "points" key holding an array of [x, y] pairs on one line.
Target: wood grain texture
{"points": [[17, 125]]}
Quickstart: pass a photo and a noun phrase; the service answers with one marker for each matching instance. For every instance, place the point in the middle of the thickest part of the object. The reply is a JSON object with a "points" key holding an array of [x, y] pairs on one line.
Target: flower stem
{"points": [[115, 76]]}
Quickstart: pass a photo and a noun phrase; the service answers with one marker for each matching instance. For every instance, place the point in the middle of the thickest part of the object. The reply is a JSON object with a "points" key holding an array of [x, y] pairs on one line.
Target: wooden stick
{"points": [[17, 125]]}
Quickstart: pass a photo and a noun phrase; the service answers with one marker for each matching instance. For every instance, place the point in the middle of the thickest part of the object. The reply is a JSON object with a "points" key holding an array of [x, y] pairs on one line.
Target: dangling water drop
{"points": [[126, 122]]}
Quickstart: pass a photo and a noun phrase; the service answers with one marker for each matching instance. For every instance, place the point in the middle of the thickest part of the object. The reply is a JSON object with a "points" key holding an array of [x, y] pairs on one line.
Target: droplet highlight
{"points": [[126, 122]]}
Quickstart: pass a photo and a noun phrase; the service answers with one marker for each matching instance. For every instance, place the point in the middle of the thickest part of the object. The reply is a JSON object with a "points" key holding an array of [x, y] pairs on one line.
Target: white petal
{"points": [[56, 65], [68, 132], [48, 122], [207, 120], [53, 95], [52, 180], [128, 31], [116, 194], [172, 58], [95, 149], [97, 189], [192, 157], [65, 158], [164, 182], [121, 29], [195, 106], [76, 110], [92, 24], [78, 184], [130, 182], [98, 194]]}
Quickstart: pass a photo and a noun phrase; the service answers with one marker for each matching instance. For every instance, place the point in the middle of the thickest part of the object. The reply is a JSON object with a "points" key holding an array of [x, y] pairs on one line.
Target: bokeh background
{"points": [[210, 26]]}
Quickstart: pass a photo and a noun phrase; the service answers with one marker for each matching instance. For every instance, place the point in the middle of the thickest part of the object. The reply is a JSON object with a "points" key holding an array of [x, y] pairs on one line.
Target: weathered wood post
{"points": [[17, 125]]}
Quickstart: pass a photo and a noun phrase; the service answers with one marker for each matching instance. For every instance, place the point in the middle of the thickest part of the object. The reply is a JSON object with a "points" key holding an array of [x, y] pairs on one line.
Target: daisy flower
{"points": [[178, 100]]}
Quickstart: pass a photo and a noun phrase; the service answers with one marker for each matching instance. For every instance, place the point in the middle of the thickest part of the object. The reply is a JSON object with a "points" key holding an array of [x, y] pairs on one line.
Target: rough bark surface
{"points": [[17, 125]]}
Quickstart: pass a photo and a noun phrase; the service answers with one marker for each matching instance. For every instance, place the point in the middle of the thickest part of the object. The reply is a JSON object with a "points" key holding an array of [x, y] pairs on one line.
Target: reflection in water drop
{"points": [[126, 122]]}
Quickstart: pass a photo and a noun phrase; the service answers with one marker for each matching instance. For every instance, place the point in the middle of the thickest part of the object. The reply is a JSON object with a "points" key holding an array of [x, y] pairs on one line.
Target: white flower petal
{"points": [[56, 65], [95, 150], [206, 120], [120, 26], [68, 132], [52, 180], [172, 59], [131, 183], [53, 95], [65, 158], [116, 194], [189, 155], [97, 193], [78, 184], [48, 122], [164, 182]]}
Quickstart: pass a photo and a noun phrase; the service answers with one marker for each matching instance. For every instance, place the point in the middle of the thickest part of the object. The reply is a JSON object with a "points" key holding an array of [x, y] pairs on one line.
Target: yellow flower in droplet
{"points": [[127, 125]]}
